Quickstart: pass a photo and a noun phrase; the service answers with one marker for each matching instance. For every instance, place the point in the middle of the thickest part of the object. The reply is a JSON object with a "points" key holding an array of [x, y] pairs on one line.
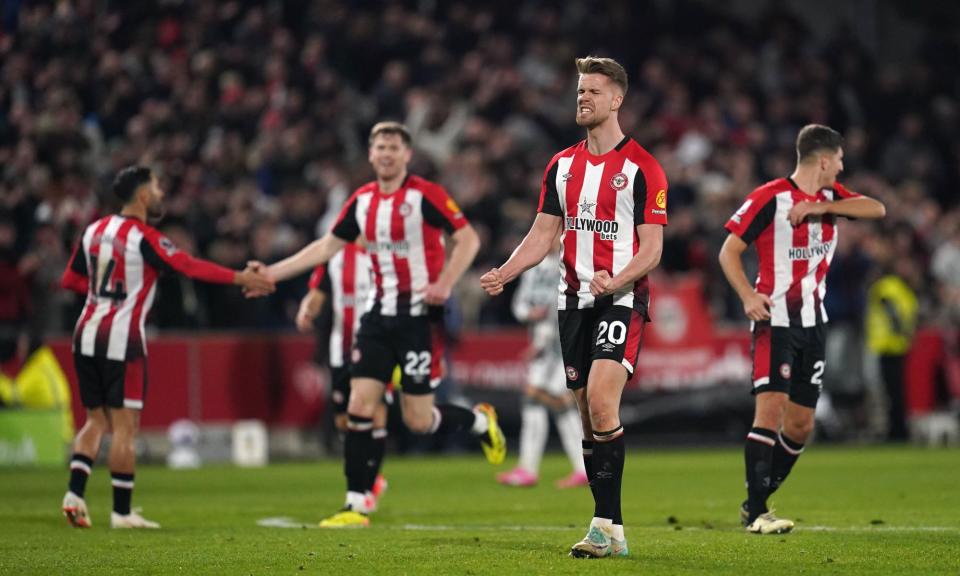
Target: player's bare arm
{"points": [[647, 258], [755, 305], [310, 308], [862, 207], [254, 281], [466, 244], [534, 248], [312, 255]]}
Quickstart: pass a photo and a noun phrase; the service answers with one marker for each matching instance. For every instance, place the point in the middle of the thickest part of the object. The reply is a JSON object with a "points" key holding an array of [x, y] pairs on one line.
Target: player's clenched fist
{"points": [[602, 284], [757, 307], [492, 282]]}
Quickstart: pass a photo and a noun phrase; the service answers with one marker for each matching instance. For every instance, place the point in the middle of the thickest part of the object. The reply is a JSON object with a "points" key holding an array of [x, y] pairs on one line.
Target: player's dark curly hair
{"points": [[128, 180], [815, 138]]}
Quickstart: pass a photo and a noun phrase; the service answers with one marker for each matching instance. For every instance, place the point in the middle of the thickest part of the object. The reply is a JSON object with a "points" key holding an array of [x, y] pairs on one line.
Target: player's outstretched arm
{"points": [[466, 244], [859, 207], [755, 305], [649, 250], [315, 253], [254, 281], [161, 253], [534, 248]]}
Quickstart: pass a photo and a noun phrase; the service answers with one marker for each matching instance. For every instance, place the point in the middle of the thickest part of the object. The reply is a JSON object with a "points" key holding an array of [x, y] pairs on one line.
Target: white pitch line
{"points": [[880, 528], [485, 528], [286, 522], [283, 522], [522, 528]]}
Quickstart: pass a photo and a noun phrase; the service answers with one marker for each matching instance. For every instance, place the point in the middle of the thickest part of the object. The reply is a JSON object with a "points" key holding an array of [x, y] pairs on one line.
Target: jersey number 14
{"points": [[104, 278]]}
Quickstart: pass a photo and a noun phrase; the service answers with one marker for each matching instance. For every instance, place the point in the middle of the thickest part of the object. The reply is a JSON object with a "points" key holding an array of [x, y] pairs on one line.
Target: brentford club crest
{"points": [[785, 370], [619, 181], [405, 209], [572, 373]]}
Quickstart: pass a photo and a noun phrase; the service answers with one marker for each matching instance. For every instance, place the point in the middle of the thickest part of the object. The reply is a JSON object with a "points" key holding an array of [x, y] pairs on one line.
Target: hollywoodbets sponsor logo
{"points": [[607, 229], [810, 252], [398, 246]]}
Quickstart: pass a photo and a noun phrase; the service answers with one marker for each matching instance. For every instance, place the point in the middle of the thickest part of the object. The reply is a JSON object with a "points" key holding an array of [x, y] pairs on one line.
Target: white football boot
{"points": [[770, 524], [75, 509], [131, 520], [600, 542]]}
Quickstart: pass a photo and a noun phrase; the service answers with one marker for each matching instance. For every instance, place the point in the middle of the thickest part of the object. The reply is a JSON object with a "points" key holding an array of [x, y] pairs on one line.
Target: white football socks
{"points": [[535, 428]]}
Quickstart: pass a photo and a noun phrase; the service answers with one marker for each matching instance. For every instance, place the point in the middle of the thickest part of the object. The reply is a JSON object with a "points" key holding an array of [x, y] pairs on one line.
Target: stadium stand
{"points": [[256, 115]]}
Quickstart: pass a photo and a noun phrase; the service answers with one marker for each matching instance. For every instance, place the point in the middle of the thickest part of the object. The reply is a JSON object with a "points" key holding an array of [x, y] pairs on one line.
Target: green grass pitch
{"points": [[859, 510]]}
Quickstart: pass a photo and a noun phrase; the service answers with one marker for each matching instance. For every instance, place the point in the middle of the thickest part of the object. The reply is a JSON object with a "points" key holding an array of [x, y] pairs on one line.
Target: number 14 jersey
{"points": [[116, 264]]}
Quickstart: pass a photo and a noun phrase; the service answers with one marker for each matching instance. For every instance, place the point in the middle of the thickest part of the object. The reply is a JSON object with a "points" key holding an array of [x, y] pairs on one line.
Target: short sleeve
{"points": [[440, 210], [650, 193], [75, 277], [752, 218], [151, 252], [78, 262], [346, 227], [843, 193], [549, 199]]}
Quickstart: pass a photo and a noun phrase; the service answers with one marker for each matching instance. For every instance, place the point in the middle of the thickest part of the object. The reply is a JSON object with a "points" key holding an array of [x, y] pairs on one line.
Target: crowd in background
{"points": [[255, 115]]}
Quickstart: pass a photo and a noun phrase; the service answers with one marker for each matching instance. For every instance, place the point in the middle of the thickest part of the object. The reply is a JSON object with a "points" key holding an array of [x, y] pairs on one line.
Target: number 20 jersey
{"points": [[602, 199]]}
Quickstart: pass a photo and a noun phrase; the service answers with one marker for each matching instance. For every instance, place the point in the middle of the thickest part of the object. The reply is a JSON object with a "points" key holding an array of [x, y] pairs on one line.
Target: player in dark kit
{"points": [[793, 223], [607, 196], [401, 218], [116, 264]]}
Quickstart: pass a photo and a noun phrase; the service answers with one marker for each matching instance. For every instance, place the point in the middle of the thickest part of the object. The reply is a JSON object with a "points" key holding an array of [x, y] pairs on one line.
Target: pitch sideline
{"points": [[287, 522]]}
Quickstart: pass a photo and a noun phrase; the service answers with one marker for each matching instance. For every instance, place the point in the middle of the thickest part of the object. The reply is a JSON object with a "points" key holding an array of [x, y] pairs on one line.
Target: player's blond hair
{"points": [[606, 66], [391, 127]]}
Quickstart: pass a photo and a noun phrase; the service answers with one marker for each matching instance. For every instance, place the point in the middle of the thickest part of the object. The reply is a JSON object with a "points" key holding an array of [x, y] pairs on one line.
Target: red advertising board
{"points": [[222, 378]]}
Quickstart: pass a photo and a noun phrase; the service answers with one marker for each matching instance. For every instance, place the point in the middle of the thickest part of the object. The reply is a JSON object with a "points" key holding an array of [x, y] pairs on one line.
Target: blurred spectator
{"points": [[891, 324], [945, 267], [14, 297], [256, 116]]}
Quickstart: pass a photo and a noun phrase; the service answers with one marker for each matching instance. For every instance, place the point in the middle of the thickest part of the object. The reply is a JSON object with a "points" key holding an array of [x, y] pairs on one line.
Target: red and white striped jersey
{"points": [[602, 200], [347, 282], [116, 264], [403, 232], [793, 260]]}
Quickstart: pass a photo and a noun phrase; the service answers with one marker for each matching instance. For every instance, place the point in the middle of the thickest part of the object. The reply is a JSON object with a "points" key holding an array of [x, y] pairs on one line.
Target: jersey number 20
{"points": [[616, 331]]}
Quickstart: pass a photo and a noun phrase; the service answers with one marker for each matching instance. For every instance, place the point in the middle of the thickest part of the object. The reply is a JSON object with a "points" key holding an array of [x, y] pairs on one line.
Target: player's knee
{"points": [[361, 406], [798, 429], [98, 426], [603, 418], [124, 439], [418, 423], [769, 414]]}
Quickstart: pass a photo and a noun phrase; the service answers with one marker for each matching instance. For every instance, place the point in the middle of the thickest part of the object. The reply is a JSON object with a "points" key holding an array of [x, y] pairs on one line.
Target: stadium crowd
{"points": [[256, 116]]}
